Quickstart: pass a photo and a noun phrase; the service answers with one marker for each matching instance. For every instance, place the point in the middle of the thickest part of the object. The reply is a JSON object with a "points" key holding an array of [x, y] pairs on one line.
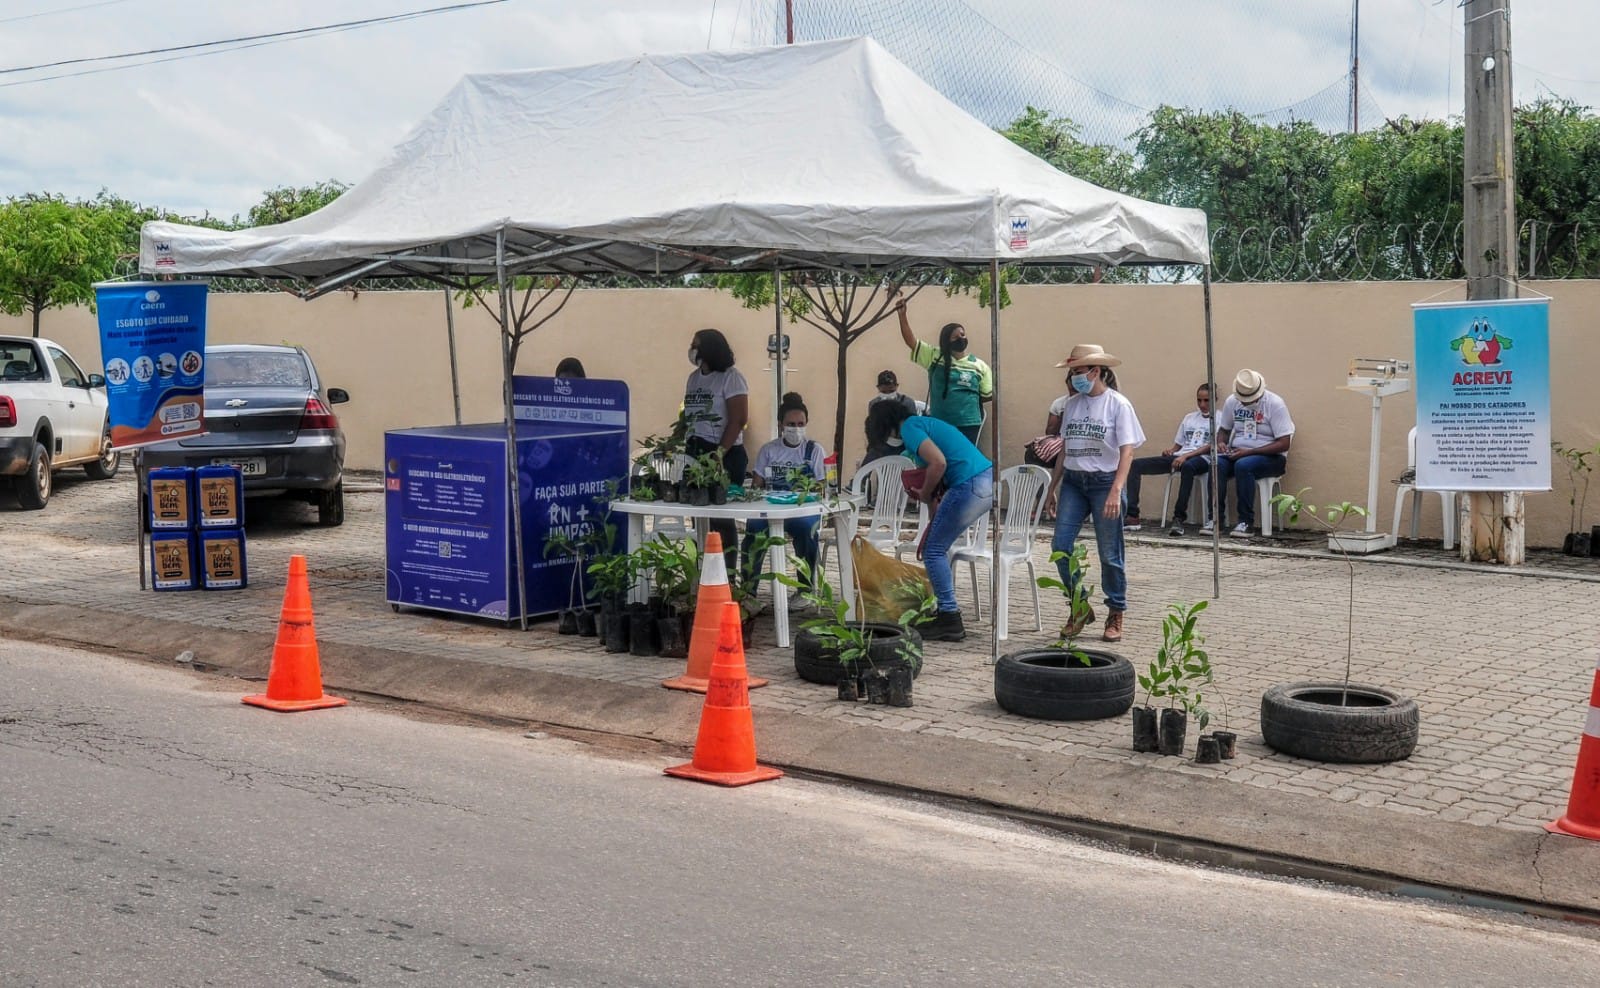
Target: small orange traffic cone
{"points": [[713, 593], [295, 681], [1583, 804], [725, 750]]}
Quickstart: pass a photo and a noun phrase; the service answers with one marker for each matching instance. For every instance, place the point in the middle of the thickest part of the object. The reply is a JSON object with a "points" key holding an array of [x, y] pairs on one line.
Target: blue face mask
{"points": [[1081, 383]]}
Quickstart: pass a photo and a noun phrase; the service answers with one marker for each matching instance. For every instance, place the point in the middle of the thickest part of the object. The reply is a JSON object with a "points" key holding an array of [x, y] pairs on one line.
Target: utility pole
{"points": [[1355, 67], [1491, 523], [788, 18]]}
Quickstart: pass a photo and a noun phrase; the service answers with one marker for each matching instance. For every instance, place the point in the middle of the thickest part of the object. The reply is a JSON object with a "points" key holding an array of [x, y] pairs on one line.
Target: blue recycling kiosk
{"points": [[449, 530]]}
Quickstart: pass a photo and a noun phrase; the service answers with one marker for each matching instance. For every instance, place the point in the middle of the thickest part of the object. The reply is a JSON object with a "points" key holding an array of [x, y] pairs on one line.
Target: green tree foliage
{"points": [[287, 202], [1055, 139], [52, 252]]}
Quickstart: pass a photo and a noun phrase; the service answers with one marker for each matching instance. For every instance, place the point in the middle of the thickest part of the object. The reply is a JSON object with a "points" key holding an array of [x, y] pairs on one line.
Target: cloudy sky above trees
{"points": [[201, 132]]}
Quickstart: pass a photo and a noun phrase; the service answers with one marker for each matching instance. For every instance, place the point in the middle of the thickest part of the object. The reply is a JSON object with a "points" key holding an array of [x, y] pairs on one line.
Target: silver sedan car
{"points": [[268, 414]]}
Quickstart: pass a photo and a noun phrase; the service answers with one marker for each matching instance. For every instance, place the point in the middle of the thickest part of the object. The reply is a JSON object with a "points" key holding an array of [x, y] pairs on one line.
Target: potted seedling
{"points": [[675, 565], [1180, 667], [1337, 721], [658, 463], [612, 575], [565, 544], [1066, 681], [1577, 541], [745, 584], [878, 658], [805, 487]]}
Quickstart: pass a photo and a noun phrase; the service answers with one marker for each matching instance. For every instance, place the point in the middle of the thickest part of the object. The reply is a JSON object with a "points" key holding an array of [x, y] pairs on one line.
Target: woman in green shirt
{"points": [[958, 383]]}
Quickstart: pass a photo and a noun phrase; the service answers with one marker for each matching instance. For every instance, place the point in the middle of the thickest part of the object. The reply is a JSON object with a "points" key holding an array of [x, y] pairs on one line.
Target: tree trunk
{"points": [[842, 407], [38, 310]]}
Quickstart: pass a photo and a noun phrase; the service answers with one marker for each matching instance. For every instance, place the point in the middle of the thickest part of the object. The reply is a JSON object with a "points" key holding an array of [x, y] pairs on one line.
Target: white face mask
{"points": [[794, 435], [894, 441], [694, 356]]}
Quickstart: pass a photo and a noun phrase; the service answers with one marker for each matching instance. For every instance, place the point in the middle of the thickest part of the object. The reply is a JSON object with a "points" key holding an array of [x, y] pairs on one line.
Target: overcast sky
{"points": [[211, 133]]}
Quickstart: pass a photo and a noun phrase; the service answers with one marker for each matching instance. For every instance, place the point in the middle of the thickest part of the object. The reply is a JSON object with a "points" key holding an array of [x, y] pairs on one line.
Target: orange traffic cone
{"points": [[725, 751], [1583, 804], [295, 681], [713, 593]]}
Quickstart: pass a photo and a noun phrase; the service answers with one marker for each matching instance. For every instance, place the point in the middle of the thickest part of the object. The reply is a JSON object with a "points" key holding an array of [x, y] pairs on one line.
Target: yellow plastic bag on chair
{"points": [[887, 587]]}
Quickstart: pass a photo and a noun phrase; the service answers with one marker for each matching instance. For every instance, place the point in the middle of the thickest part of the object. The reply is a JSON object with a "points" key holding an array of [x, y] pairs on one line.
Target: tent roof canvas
{"points": [[830, 154]]}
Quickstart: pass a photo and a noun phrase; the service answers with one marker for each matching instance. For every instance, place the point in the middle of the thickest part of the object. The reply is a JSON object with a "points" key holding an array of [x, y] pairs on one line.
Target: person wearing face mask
{"points": [[882, 437], [958, 383], [790, 451], [1186, 457], [1100, 432], [716, 404]]}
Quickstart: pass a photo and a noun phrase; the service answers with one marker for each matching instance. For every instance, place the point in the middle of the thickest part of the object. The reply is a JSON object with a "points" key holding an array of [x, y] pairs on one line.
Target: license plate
{"points": [[250, 466]]}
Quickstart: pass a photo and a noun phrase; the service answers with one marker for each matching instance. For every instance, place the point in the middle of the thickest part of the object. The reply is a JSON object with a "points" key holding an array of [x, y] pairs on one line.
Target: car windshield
{"points": [[277, 369]]}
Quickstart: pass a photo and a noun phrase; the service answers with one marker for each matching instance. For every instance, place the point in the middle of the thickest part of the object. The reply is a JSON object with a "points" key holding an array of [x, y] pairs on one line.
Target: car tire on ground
{"points": [[330, 506], [33, 487], [110, 459], [1050, 684], [1307, 720]]}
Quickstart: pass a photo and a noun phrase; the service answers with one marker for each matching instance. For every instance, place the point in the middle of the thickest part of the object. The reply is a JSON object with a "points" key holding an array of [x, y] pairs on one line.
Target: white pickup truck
{"points": [[52, 415]]}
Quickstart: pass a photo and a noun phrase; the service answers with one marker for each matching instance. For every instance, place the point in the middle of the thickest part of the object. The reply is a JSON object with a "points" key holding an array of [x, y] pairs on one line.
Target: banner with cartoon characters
{"points": [[153, 345], [1483, 395]]}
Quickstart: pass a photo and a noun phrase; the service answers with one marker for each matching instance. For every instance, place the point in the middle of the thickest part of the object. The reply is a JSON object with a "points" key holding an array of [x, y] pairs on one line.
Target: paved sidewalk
{"points": [[1499, 663]]}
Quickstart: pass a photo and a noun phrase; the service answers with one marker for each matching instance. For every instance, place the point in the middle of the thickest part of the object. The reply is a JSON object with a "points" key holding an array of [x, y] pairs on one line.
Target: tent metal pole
{"points": [[511, 425], [455, 377], [777, 360], [994, 457], [1211, 428]]}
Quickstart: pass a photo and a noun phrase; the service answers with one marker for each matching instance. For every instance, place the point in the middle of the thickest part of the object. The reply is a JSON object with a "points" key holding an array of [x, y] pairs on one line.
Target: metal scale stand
{"points": [[1377, 377]]}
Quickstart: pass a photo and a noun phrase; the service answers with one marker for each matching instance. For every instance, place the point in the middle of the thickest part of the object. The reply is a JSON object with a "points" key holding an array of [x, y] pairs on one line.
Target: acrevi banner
{"points": [[1483, 395], [153, 345]]}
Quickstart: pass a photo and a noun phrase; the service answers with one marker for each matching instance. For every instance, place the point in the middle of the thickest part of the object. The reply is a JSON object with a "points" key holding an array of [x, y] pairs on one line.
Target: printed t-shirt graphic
{"points": [[969, 380], [1095, 428], [705, 400], [1256, 425]]}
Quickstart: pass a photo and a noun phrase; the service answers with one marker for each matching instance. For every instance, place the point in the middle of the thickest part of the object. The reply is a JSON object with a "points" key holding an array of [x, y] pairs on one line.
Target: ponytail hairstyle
{"points": [[946, 357]]}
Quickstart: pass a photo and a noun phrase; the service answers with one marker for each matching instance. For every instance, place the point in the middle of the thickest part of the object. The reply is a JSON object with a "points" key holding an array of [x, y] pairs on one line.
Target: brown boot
{"points": [[1073, 628], [1113, 632]]}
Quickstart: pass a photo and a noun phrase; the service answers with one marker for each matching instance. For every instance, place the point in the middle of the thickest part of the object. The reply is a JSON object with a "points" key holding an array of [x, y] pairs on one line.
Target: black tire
{"points": [[109, 462], [1051, 684], [816, 664], [33, 487], [330, 506], [1306, 720]]}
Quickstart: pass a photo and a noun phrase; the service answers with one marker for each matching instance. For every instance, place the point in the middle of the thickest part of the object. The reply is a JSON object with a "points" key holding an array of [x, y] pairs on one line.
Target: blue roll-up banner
{"points": [[153, 346], [1483, 395]]}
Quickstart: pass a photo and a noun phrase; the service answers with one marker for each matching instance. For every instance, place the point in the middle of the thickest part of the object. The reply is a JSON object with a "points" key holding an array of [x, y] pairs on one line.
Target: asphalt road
{"points": [[153, 831]]}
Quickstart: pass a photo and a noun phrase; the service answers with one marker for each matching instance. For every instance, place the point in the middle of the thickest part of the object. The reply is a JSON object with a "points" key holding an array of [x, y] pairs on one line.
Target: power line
{"points": [[63, 10], [297, 32]]}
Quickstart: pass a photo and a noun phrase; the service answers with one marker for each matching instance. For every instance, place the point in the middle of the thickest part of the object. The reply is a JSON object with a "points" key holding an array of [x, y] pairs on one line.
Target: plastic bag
{"points": [[887, 586]]}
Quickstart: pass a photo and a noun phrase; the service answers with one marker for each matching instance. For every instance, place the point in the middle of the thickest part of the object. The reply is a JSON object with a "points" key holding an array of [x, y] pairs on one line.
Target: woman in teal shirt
{"points": [[958, 383], [951, 459]]}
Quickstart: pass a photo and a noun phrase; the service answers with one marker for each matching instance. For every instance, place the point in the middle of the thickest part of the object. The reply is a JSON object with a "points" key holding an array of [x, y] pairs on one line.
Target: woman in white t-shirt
{"points": [[790, 451], [1099, 431], [716, 404]]}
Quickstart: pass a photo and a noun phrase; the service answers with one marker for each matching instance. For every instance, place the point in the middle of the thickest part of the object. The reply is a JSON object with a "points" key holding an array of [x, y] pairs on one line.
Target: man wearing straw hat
{"points": [[1253, 436], [1100, 432]]}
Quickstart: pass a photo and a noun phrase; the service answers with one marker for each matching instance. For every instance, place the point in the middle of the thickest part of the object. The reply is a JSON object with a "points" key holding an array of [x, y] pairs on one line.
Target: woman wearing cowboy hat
{"points": [[1100, 432]]}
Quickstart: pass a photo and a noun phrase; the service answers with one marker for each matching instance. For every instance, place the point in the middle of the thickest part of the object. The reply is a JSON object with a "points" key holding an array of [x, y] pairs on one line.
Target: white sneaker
{"points": [[1208, 528], [797, 603], [1240, 531]]}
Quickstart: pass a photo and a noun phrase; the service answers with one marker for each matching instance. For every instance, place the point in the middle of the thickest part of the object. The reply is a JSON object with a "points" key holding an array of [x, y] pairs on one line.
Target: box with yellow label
{"points": [[222, 559], [219, 497], [169, 496], [172, 560]]}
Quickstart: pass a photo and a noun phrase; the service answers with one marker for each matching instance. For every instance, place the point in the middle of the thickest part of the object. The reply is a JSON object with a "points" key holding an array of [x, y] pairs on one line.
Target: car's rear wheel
{"points": [[330, 506], [33, 487], [110, 459]]}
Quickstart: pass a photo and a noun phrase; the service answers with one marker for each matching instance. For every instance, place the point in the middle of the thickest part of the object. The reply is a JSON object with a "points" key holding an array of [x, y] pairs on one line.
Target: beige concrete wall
{"points": [[389, 350]]}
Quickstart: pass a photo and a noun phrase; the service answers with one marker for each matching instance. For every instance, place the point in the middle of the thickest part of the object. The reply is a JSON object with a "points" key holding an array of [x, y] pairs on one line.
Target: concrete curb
{"points": [[1556, 872]]}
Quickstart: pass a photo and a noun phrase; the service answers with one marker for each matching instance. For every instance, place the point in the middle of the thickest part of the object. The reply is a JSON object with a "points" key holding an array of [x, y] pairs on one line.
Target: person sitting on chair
{"points": [[1253, 436], [790, 451], [1186, 455]]}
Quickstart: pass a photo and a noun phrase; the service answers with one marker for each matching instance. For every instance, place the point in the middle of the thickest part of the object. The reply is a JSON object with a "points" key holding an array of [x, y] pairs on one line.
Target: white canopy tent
{"points": [[830, 155]]}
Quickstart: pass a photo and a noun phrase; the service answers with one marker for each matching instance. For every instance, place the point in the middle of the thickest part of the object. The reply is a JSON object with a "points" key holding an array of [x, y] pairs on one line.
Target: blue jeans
{"points": [[961, 507], [1083, 495], [802, 534], [1247, 470]]}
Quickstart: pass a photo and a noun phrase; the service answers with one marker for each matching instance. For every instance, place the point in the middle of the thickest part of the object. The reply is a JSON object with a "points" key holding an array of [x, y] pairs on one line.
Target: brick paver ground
{"points": [[1499, 662]]}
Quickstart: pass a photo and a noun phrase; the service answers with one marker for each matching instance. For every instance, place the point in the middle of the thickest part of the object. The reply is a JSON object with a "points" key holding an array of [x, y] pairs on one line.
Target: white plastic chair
{"points": [[883, 503], [1403, 487], [1265, 488], [1202, 490], [1022, 489]]}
